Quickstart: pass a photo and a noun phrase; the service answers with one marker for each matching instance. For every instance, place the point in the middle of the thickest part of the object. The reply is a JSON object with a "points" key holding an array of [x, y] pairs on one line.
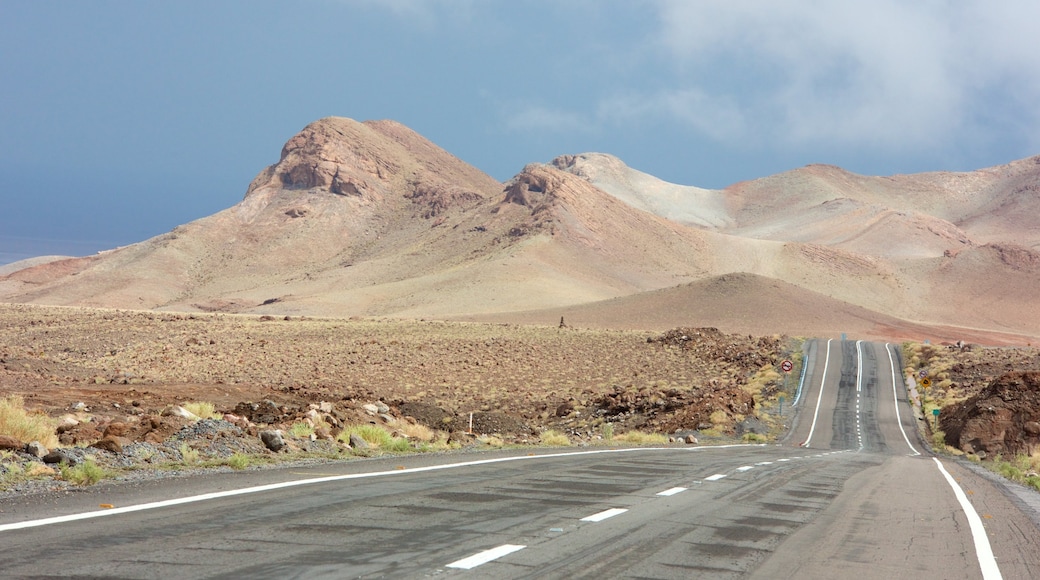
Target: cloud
{"points": [[539, 119], [884, 74], [716, 117]]}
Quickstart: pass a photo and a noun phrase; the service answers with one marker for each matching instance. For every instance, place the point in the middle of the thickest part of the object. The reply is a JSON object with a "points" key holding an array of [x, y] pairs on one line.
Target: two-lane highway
{"points": [[849, 494]]}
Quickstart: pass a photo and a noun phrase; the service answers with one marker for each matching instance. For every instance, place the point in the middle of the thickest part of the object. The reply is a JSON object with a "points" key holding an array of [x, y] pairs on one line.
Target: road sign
{"points": [[935, 412], [923, 373], [926, 382], [786, 366]]}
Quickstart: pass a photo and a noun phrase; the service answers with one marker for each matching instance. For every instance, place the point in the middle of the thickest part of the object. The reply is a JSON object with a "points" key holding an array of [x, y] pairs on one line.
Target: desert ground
{"points": [[112, 382]]}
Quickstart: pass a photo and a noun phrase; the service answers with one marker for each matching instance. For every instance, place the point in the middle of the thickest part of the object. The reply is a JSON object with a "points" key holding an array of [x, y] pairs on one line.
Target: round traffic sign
{"points": [[786, 366]]}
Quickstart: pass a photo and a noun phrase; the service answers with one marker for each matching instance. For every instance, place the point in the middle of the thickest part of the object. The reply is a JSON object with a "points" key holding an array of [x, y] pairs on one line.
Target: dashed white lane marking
{"points": [[672, 491], [764, 463], [745, 468], [326, 479], [783, 460], [715, 477], [485, 556], [604, 515], [983, 551]]}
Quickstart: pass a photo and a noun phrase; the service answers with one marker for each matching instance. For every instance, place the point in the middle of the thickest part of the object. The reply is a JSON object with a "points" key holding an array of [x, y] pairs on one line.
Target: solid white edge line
{"points": [[895, 400], [859, 366], [826, 361], [485, 556], [604, 515], [671, 491], [299, 482], [983, 551]]}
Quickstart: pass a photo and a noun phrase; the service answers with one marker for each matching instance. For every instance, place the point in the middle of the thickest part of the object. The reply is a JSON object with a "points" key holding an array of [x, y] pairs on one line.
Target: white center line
{"points": [[672, 491], [485, 556], [604, 515], [715, 477]]}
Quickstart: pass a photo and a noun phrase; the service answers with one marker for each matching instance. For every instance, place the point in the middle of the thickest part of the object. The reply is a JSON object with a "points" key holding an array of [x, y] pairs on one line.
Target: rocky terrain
{"points": [[117, 384], [369, 277]]}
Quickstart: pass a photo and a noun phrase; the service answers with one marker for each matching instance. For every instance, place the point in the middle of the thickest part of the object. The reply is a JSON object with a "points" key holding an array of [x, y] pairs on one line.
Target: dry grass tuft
{"points": [[553, 438], [203, 410], [641, 438], [24, 425]]}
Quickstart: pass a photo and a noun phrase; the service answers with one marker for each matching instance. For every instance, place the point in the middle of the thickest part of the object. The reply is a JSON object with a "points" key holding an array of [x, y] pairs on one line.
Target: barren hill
{"points": [[372, 219]]}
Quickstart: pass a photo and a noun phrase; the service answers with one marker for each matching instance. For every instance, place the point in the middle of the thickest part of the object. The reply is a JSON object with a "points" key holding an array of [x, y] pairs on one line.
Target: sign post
{"points": [[935, 416]]}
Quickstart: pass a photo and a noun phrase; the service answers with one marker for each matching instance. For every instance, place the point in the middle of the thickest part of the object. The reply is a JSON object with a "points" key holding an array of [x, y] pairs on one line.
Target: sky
{"points": [[120, 120]]}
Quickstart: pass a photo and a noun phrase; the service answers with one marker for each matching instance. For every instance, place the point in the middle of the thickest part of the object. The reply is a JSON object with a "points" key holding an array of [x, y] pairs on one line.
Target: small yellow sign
{"points": [[926, 382]]}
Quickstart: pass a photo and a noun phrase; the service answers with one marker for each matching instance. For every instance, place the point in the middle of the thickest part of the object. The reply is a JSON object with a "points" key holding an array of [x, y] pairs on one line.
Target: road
{"points": [[850, 493]]}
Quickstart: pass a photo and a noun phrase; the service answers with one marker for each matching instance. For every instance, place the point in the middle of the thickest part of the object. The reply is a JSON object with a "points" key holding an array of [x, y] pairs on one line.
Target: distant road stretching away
{"points": [[851, 493]]}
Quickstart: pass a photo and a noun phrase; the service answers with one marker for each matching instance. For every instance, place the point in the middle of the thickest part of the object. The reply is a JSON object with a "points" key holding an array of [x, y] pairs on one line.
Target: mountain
{"points": [[372, 219]]}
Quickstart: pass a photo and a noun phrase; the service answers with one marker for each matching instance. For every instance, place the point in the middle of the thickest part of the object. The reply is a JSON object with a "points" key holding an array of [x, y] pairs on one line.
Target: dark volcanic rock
{"points": [[1000, 420]]}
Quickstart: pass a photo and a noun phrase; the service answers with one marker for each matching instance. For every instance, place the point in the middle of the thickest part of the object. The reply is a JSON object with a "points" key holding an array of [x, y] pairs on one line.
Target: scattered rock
{"points": [[690, 440], [111, 443], [116, 429], [272, 439], [8, 443], [265, 412], [59, 456], [370, 408], [358, 442], [35, 448], [178, 411]]}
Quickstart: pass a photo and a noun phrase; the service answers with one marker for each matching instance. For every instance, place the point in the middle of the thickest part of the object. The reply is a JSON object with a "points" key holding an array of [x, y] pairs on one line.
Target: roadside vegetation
{"points": [[17, 422]]}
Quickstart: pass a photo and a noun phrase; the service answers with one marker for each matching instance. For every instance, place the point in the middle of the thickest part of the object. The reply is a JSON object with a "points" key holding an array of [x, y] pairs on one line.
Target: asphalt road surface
{"points": [[851, 493]]}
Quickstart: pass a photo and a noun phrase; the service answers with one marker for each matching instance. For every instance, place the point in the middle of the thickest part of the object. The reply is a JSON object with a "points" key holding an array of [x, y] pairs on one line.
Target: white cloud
{"points": [[716, 117], [537, 118], [887, 73]]}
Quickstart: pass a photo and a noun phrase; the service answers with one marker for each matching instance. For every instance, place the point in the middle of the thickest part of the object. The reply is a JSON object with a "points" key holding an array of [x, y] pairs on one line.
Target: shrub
{"points": [[301, 429], [377, 437], [188, 455], [238, 461], [85, 473], [554, 439], [203, 410], [24, 425], [607, 429], [417, 432], [491, 440], [641, 438], [755, 438]]}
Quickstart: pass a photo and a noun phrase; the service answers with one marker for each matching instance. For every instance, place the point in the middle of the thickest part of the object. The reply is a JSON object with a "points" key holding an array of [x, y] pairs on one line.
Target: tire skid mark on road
{"points": [[506, 549], [327, 479]]}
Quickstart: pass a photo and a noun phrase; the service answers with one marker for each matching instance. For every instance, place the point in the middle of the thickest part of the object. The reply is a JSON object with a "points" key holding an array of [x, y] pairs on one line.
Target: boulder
{"points": [[116, 429], [36, 449], [59, 456], [178, 411], [272, 439], [358, 442], [8, 443], [111, 443]]}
